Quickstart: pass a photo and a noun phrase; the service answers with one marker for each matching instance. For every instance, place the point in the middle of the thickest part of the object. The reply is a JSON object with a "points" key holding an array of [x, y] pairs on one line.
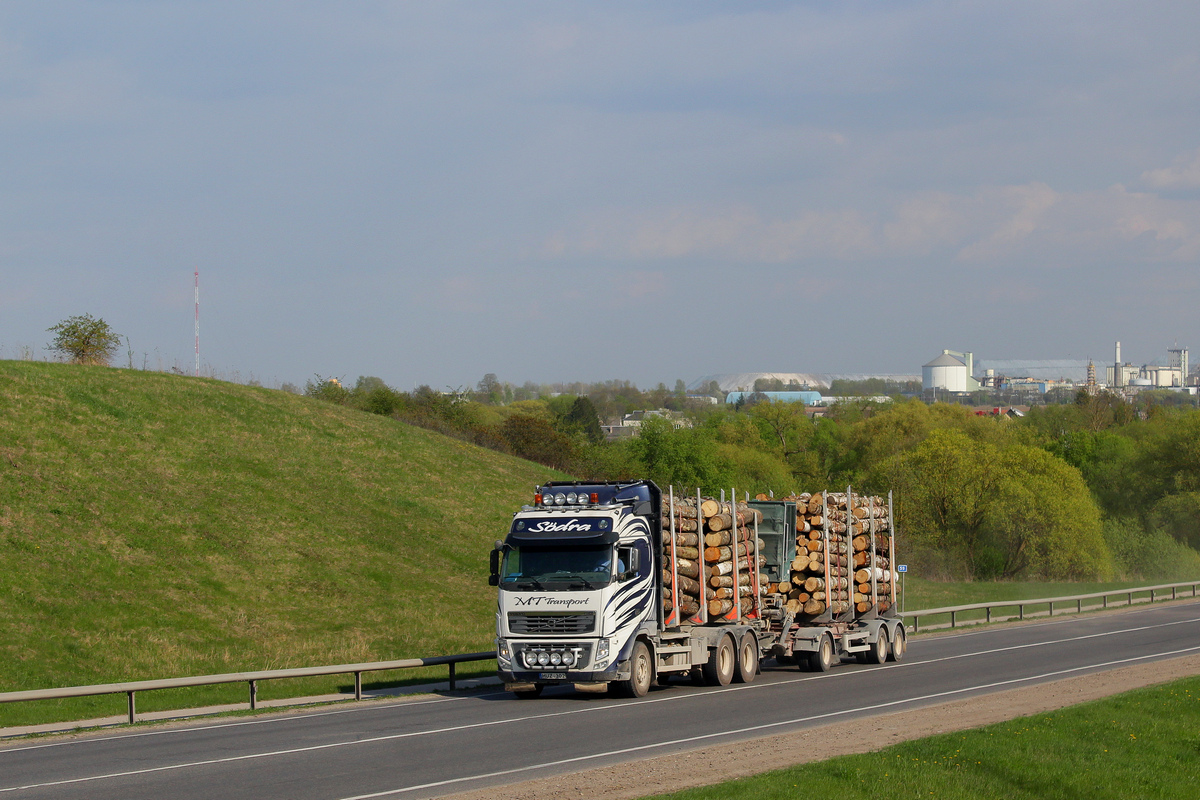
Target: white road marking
{"points": [[389, 706], [411, 734], [750, 729]]}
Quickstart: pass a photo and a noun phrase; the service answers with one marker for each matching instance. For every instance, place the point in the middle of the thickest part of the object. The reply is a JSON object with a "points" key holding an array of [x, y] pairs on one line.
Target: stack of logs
{"points": [[708, 536], [839, 577]]}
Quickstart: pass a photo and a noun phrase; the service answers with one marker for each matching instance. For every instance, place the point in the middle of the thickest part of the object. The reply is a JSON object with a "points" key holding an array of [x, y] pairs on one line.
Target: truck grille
{"points": [[551, 623]]}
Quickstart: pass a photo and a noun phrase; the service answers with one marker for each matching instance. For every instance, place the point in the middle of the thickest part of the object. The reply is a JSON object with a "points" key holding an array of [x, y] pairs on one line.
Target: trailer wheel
{"points": [[899, 645], [718, 670], [747, 666], [821, 659], [880, 650], [529, 694], [641, 673]]}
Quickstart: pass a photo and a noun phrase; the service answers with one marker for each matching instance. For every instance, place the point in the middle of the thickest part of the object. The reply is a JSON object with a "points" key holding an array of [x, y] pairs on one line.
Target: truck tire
{"points": [[719, 669], [821, 659], [641, 673], [529, 694], [899, 645], [880, 650], [747, 659]]}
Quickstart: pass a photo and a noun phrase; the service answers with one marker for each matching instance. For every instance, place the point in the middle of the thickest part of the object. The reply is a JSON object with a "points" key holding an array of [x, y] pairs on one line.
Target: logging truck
{"points": [[618, 584]]}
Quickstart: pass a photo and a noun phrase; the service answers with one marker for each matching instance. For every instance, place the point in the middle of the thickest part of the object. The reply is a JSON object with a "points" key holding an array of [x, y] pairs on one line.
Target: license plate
{"points": [[553, 676]]}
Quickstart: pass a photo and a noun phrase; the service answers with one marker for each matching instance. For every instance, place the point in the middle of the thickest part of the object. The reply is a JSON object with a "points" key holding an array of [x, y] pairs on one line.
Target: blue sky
{"points": [[561, 191]]}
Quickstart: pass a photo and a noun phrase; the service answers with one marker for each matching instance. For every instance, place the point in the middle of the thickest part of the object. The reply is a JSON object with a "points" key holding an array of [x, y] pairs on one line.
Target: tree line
{"points": [[1095, 489]]}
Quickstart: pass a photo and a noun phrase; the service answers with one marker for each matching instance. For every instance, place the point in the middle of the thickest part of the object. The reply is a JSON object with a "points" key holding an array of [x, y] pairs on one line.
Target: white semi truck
{"points": [[581, 600]]}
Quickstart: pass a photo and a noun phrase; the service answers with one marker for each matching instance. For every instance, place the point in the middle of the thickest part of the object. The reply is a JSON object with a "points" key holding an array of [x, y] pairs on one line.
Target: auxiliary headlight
{"points": [[560, 499], [556, 658], [543, 658], [568, 658], [530, 658], [570, 498]]}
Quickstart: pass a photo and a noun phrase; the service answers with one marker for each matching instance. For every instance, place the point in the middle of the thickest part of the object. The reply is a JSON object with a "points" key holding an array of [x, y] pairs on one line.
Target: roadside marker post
{"points": [[902, 569]]}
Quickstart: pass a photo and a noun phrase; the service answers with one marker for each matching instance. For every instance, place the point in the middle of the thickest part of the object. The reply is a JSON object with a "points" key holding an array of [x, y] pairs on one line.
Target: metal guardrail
{"points": [[1077, 599], [251, 678]]}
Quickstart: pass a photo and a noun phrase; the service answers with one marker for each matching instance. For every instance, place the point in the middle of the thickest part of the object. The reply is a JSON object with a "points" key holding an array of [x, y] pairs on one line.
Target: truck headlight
{"points": [[602, 649], [503, 653]]}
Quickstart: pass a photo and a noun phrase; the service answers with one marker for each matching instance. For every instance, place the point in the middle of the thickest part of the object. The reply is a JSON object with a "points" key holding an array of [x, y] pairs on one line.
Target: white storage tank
{"points": [[945, 372]]}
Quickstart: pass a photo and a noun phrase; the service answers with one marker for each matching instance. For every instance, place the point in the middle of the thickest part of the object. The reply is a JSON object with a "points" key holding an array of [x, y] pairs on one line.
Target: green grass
{"points": [[155, 525], [1142, 744]]}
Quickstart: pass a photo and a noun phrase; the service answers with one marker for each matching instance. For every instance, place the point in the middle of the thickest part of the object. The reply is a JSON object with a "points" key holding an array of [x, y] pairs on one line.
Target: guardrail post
{"points": [[1078, 606], [1131, 598], [452, 676], [988, 613], [132, 709], [1173, 593], [1105, 601], [358, 686], [253, 694], [1151, 595], [1052, 609], [916, 623], [952, 619], [1020, 611]]}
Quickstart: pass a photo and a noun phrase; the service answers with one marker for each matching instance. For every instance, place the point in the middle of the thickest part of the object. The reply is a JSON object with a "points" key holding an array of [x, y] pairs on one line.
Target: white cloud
{"points": [[736, 233], [990, 225], [1183, 174]]}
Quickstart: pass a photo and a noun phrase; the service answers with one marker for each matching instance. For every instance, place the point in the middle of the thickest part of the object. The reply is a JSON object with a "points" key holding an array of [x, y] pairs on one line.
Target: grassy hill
{"points": [[155, 525]]}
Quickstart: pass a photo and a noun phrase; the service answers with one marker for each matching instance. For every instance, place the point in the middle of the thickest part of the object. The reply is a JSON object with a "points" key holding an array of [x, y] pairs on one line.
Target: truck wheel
{"points": [[747, 661], [821, 659], [718, 670], [529, 694], [899, 645], [641, 673], [879, 651]]}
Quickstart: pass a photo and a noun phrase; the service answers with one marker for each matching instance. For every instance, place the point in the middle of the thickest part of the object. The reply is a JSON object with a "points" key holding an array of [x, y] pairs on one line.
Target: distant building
{"points": [[950, 372], [1057, 369], [744, 381], [807, 398]]}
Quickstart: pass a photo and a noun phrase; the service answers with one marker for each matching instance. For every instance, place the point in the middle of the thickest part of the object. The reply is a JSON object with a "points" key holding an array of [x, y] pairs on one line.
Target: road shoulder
{"points": [[710, 765]]}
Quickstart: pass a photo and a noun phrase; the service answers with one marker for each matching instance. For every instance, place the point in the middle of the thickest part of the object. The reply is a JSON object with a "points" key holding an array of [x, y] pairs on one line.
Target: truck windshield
{"points": [[557, 567]]}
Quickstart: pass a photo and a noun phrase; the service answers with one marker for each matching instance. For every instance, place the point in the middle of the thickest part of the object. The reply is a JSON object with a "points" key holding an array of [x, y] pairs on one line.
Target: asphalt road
{"points": [[451, 743]]}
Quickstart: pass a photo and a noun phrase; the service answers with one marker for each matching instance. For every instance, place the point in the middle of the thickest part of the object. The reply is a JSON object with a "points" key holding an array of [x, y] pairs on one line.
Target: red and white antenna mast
{"points": [[197, 323]]}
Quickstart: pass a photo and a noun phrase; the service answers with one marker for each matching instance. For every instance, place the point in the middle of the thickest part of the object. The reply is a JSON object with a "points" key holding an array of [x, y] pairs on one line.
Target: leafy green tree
{"points": [[583, 418], [1006, 508], [1041, 518], [536, 439], [489, 390], [84, 339], [328, 389], [686, 458], [373, 395]]}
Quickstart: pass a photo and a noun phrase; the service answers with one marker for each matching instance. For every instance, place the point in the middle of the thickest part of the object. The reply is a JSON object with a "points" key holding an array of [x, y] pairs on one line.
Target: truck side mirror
{"points": [[629, 557], [494, 565]]}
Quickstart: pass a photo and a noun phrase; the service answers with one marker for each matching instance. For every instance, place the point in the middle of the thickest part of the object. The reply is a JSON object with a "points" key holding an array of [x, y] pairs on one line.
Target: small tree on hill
{"points": [[85, 340]]}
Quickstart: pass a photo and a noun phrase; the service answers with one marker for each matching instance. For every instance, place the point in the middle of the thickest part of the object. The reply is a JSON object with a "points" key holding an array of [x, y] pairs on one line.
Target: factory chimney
{"points": [[1117, 368]]}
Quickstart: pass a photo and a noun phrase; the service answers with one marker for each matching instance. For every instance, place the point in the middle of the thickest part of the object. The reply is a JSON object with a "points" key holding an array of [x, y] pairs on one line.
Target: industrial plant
{"points": [[955, 373]]}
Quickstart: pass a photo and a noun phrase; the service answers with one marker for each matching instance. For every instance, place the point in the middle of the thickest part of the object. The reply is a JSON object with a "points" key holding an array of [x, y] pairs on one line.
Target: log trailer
{"points": [[591, 583]]}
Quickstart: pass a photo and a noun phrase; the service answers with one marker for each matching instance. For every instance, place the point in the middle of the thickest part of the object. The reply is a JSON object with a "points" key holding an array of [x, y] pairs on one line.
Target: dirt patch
{"points": [[709, 765]]}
